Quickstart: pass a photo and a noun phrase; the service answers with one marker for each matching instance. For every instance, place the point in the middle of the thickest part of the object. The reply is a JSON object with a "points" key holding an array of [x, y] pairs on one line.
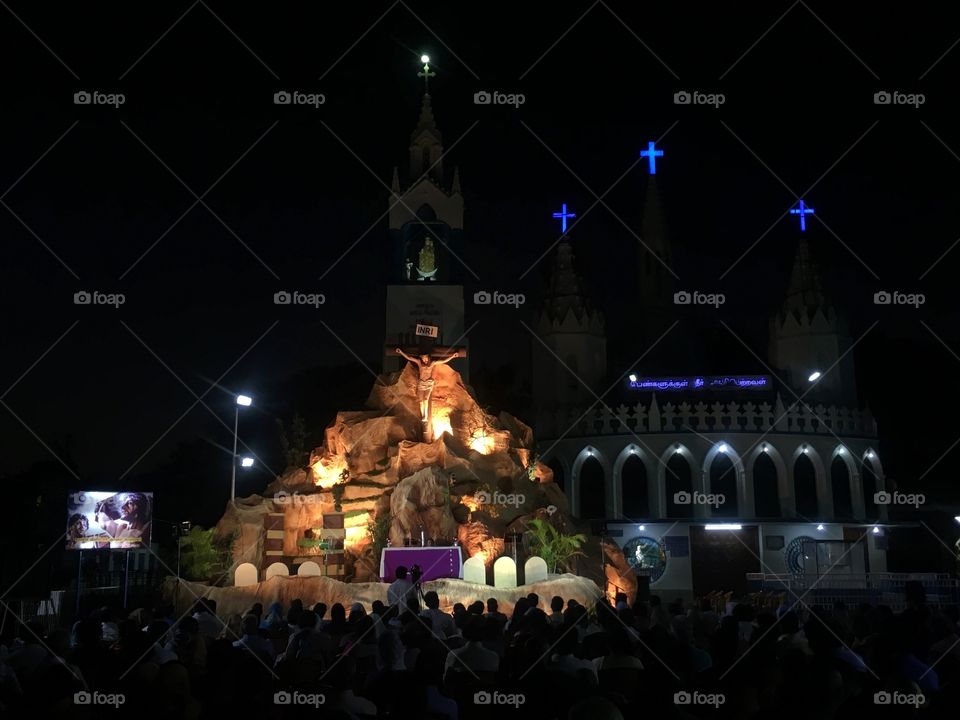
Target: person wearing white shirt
{"points": [[399, 590]]}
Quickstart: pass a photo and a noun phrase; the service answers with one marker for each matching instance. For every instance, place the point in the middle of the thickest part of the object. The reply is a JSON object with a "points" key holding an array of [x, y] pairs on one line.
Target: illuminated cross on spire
{"points": [[802, 211], [563, 215], [652, 155], [425, 73]]}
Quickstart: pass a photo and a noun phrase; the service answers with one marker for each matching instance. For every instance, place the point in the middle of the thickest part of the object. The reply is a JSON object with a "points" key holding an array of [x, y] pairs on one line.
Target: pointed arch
{"points": [[677, 473], [809, 483], [872, 484], [771, 482], [589, 484], [724, 475], [633, 474], [844, 485]]}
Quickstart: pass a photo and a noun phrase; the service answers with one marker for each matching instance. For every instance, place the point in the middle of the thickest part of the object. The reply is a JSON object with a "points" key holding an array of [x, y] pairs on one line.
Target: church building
{"points": [[742, 482]]}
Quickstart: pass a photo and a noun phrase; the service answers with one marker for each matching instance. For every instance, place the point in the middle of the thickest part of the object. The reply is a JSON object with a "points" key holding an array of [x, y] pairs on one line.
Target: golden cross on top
{"points": [[425, 73]]}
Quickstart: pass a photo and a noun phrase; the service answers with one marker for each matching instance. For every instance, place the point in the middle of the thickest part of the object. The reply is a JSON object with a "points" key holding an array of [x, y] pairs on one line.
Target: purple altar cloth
{"points": [[436, 562]]}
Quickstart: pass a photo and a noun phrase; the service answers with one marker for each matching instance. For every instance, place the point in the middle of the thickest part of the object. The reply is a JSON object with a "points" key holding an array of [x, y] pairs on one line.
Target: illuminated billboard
{"points": [[108, 520]]}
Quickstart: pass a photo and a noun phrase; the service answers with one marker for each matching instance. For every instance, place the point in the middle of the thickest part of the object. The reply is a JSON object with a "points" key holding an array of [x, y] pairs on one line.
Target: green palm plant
{"points": [[553, 546]]}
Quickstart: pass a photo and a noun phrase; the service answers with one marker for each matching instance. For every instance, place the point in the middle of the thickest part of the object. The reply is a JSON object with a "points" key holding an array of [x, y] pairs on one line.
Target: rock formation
{"points": [[478, 483]]}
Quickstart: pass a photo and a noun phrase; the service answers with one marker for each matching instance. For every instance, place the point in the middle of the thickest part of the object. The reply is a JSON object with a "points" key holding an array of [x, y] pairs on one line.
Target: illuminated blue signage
{"points": [[704, 382], [563, 215], [802, 211], [652, 156]]}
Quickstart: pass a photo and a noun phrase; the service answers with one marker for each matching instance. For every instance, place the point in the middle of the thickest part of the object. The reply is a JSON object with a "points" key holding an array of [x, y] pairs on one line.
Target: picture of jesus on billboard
{"points": [[113, 520]]}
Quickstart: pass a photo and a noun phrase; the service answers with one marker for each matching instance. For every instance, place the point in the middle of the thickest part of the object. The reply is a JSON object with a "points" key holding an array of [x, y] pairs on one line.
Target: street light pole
{"points": [[233, 464], [245, 401]]}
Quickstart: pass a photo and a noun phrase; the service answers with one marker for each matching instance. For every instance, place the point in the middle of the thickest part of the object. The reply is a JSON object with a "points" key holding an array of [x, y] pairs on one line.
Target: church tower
{"points": [[655, 287], [808, 336], [574, 332], [426, 239]]}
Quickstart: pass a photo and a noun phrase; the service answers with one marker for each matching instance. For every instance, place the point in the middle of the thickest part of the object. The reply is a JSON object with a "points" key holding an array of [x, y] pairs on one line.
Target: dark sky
{"points": [[98, 209]]}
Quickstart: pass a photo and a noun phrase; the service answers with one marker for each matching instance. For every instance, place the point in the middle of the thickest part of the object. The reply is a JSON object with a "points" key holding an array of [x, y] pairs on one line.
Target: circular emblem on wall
{"points": [[793, 554], [646, 554]]}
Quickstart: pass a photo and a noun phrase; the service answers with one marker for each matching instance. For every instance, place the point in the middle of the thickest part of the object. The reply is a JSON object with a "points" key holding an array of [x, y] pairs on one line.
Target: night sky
{"points": [[100, 199]]}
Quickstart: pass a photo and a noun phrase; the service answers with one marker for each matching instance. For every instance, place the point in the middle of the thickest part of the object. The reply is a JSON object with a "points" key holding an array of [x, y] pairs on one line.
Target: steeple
{"points": [[805, 291], [569, 328], [655, 258], [808, 336], [565, 292], [426, 145]]}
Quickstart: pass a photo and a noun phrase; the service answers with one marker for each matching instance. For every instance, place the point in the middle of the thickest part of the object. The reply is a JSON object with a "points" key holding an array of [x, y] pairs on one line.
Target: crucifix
{"points": [[425, 358]]}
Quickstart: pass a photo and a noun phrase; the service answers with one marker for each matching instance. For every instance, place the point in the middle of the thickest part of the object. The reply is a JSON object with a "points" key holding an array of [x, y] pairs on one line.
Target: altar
{"points": [[436, 562]]}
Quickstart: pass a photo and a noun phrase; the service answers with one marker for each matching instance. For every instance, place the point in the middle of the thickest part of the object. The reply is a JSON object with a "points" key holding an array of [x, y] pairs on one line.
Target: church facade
{"points": [[735, 483]]}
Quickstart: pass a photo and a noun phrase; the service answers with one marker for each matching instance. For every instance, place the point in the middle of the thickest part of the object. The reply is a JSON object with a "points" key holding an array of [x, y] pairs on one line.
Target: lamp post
{"points": [[241, 401]]}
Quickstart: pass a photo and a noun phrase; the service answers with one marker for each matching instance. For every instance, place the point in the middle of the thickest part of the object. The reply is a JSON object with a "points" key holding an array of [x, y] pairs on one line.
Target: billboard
{"points": [[111, 520]]}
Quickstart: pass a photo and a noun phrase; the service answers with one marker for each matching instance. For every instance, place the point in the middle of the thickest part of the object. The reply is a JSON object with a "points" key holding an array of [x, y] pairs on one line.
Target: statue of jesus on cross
{"points": [[425, 364]]}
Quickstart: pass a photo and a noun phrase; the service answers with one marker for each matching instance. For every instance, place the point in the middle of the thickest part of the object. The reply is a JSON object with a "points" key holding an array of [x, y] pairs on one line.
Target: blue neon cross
{"points": [[652, 155], [563, 215], [802, 211]]}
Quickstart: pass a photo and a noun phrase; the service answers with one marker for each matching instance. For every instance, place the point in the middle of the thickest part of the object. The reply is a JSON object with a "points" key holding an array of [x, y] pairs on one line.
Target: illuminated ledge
{"points": [[701, 418]]}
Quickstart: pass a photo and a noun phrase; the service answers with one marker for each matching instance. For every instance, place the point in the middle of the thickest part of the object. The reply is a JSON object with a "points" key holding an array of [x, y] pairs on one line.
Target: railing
{"points": [[702, 418], [855, 588]]}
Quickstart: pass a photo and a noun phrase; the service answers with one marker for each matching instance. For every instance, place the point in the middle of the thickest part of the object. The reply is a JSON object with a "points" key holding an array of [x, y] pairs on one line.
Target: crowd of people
{"points": [[545, 658]]}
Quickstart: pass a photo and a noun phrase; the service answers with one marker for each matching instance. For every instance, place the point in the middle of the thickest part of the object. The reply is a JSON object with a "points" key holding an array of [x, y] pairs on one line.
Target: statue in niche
{"points": [[427, 262]]}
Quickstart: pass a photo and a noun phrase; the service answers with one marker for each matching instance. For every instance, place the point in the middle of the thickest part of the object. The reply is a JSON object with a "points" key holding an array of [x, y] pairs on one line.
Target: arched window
{"points": [[425, 158], [633, 485], [678, 480], [592, 490], [805, 488], [766, 490], [840, 488], [869, 488], [723, 481], [558, 477]]}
